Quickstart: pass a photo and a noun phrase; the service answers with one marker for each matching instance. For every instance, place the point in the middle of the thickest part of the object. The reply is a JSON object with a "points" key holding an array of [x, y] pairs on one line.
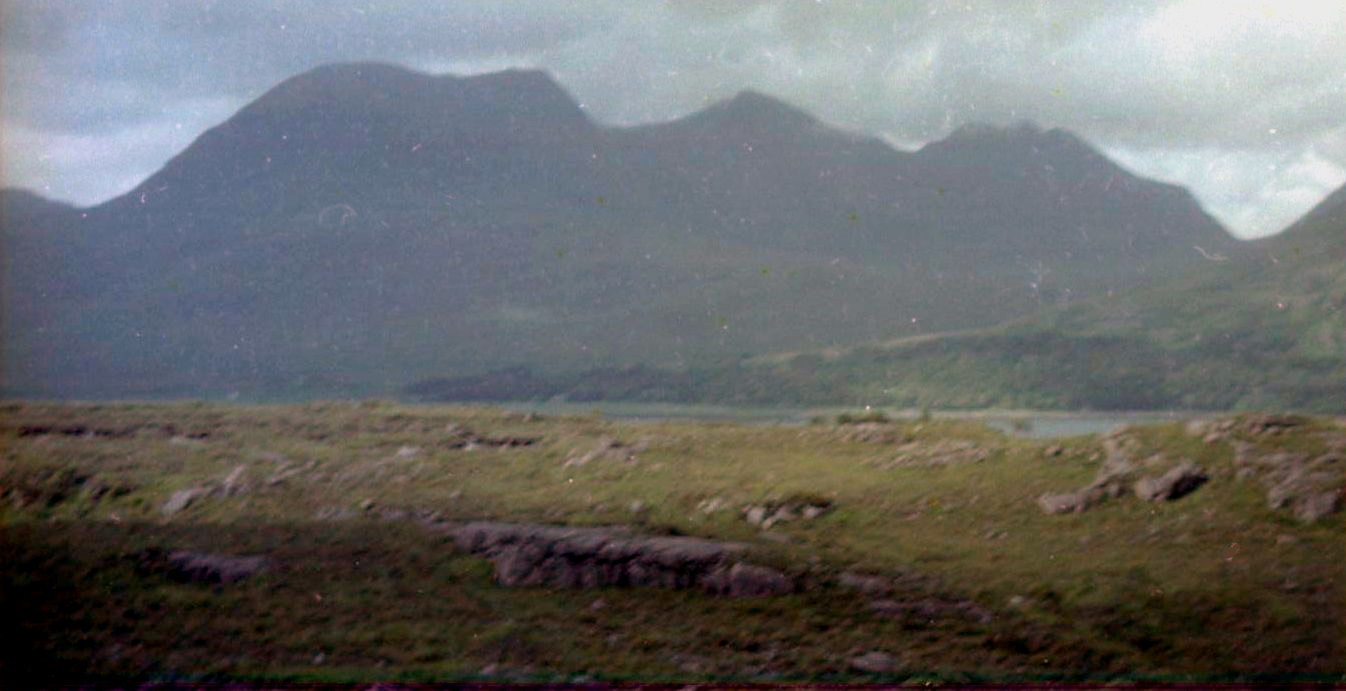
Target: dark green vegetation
{"points": [[359, 228], [1265, 329], [351, 502]]}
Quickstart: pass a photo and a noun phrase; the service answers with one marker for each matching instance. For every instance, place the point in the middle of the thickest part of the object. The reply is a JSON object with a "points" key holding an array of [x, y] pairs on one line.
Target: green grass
{"points": [[1128, 590]]}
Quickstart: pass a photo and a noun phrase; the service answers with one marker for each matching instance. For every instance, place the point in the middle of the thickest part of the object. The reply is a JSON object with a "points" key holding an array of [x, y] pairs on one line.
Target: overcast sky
{"points": [[1243, 101]]}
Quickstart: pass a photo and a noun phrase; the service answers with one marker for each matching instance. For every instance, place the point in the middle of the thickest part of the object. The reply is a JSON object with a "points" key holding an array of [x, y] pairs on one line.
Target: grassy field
{"points": [[353, 504]]}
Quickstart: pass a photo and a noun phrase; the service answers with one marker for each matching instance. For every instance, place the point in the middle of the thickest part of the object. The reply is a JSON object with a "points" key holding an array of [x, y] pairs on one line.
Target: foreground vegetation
{"points": [[353, 505]]}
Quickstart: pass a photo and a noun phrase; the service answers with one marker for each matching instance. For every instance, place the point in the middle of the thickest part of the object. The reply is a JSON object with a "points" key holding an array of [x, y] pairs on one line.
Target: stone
{"points": [[232, 483], [1312, 507], [755, 515], [181, 499], [407, 453], [747, 580], [195, 567], [931, 608], [1069, 502], [592, 557], [872, 586], [1178, 482], [712, 505], [813, 511], [874, 662], [333, 513]]}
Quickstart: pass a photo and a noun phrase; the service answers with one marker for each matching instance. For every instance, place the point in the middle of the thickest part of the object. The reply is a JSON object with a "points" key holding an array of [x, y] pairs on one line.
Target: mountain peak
{"points": [[1023, 138], [756, 111], [365, 82]]}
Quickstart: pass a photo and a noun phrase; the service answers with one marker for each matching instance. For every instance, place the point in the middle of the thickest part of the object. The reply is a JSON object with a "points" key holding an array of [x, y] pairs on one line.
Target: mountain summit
{"points": [[362, 226]]}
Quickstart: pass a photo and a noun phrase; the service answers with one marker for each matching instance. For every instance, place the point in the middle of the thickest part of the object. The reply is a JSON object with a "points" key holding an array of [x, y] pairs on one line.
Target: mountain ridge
{"points": [[454, 225]]}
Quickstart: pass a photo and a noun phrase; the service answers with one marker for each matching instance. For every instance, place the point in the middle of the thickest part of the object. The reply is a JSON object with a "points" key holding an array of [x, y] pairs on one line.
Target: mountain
{"points": [[1263, 329], [361, 226]]}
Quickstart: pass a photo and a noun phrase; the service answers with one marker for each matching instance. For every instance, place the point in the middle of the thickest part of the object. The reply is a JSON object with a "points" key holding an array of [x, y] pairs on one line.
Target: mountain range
{"points": [[1264, 329], [362, 227]]}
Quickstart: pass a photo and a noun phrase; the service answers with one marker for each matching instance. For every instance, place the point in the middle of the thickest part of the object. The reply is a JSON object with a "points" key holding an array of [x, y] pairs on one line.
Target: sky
{"points": [[1241, 101]]}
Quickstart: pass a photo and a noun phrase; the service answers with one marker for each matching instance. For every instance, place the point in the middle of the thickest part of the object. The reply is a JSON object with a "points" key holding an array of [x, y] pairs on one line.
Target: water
{"points": [[1035, 424]]}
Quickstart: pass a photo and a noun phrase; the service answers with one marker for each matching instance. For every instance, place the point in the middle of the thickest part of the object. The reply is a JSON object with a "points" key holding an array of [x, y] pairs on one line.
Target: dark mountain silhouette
{"points": [[1262, 329], [362, 226]]}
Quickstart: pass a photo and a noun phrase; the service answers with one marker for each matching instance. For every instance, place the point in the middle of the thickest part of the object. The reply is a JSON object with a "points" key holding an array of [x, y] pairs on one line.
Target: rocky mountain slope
{"points": [[360, 227]]}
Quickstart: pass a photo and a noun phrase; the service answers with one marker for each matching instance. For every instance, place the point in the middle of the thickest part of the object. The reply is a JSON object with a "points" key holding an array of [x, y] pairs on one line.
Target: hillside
{"points": [[1265, 329], [361, 227]]}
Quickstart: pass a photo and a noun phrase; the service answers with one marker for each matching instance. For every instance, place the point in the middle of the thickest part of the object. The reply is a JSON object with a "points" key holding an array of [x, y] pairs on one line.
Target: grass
{"points": [[361, 591]]}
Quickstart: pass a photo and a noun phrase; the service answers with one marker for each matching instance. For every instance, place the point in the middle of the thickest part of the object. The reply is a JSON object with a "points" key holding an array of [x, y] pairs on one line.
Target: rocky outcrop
{"points": [[1308, 485], [1120, 475], [766, 515], [1253, 425], [198, 567], [1113, 480], [573, 557], [458, 437], [181, 499], [1179, 481]]}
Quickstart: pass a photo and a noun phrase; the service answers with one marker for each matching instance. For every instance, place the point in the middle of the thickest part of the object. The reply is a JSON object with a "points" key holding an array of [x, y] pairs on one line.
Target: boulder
{"points": [[1310, 508], [874, 662], [181, 499], [747, 580], [573, 557], [1178, 482], [872, 586], [196, 567], [1078, 501]]}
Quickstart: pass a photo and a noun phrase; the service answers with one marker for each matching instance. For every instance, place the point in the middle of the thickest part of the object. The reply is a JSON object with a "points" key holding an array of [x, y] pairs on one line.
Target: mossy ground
{"points": [[1213, 586]]}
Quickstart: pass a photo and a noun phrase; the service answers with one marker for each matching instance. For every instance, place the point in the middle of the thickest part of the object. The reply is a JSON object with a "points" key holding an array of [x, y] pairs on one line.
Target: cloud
{"points": [[1234, 98]]}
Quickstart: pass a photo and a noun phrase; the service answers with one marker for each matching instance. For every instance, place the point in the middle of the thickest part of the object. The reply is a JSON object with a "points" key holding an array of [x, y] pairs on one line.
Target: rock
{"points": [[1053, 451], [195, 567], [1178, 482], [232, 484], [1318, 505], [710, 506], [871, 586], [407, 453], [813, 511], [931, 608], [772, 513], [572, 557], [460, 437], [181, 500], [1070, 502], [333, 513], [636, 506], [747, 580], [1265, 424], [874, 662]]}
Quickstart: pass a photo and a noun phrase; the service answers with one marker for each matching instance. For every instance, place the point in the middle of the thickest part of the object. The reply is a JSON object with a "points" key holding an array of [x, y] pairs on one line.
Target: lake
{"points": [[1025, 423]]}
